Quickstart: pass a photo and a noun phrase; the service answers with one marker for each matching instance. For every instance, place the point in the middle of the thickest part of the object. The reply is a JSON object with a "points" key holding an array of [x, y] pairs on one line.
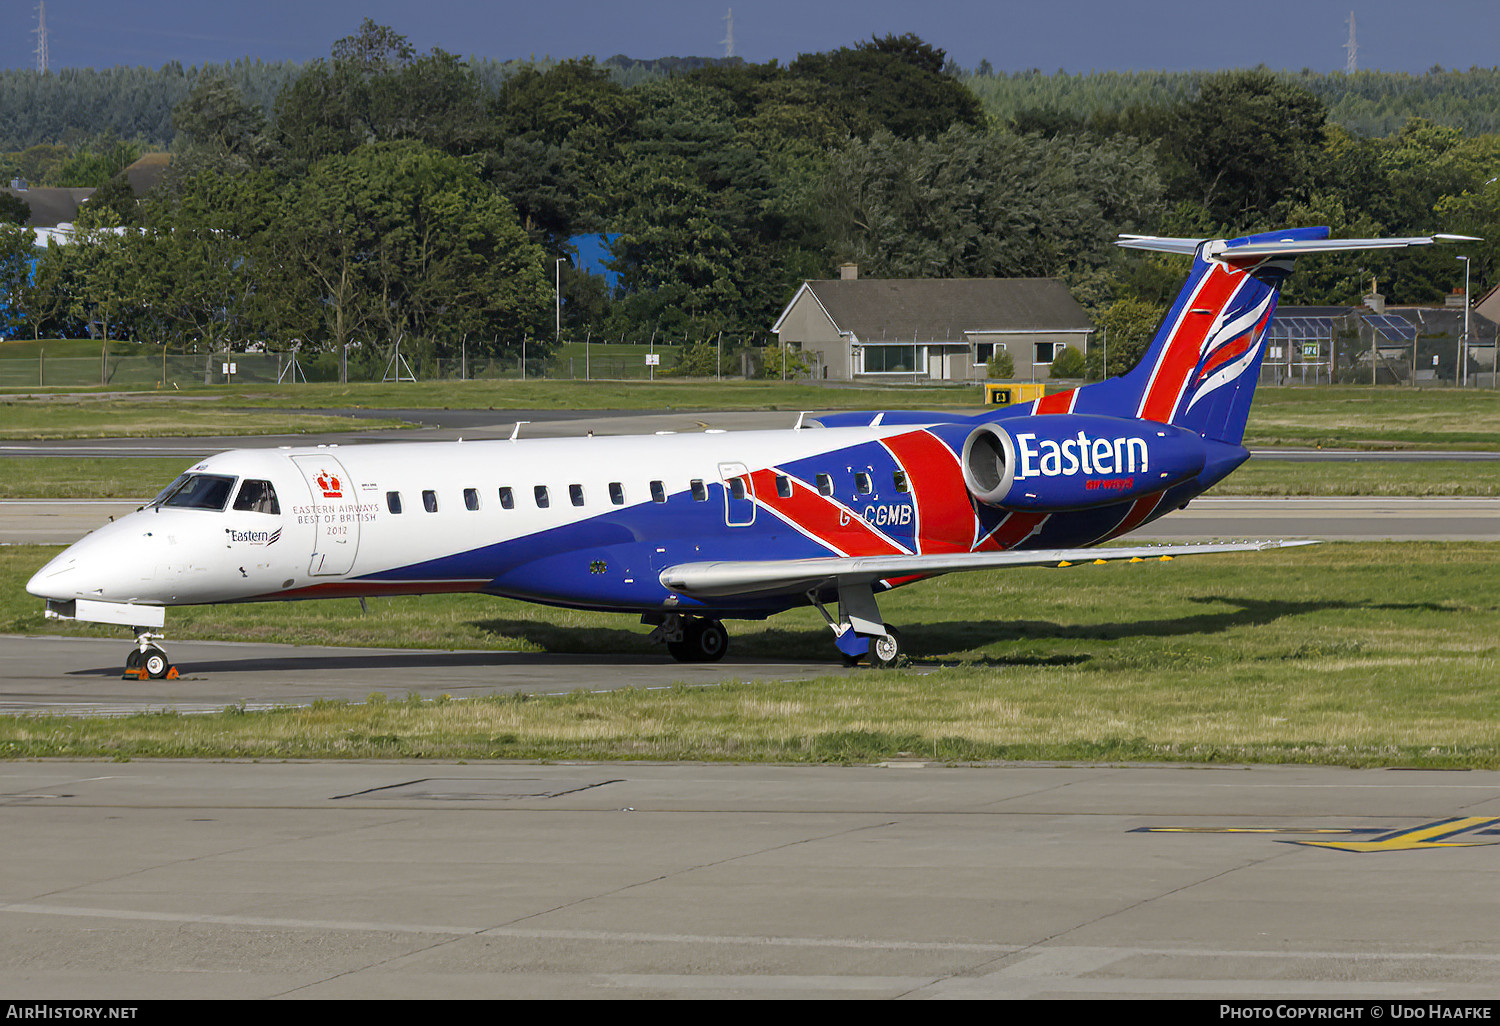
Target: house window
{"points": [[1045, 351], [393, 501], [507, 498], [658, 492], [895, 359], [471, 499], [429, 501], [542, 501], [984, 352]]}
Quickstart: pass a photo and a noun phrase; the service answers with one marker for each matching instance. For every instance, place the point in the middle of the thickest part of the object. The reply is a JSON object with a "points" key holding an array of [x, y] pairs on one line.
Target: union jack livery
{"points": [[687, 531]]}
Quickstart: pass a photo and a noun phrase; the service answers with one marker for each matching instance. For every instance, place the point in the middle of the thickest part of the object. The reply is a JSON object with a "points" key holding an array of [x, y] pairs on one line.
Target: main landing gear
{"points": [[859, 632], [692, 639], [148, 659]]}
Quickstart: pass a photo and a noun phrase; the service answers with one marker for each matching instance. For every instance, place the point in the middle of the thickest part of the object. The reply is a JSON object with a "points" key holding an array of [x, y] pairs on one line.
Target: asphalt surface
{"points": [[376, 880]]}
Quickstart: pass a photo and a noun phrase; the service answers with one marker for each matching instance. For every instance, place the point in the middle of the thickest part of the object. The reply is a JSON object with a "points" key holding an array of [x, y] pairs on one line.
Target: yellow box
{"points": [[1009, 395]]}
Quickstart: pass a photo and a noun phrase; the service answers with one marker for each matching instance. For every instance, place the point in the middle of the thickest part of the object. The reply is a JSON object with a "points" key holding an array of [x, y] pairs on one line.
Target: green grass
{"points": [[1342, 654], [62, 418], [1373, 477], [1369, 417]]}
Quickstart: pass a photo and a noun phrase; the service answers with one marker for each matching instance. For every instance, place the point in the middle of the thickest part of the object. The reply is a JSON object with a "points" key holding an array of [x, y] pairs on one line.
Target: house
{"points": [[903, 329]]}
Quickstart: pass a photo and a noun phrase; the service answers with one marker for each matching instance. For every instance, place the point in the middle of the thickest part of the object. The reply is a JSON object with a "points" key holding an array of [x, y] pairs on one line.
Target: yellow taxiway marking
{"points": [[1429, 836]]}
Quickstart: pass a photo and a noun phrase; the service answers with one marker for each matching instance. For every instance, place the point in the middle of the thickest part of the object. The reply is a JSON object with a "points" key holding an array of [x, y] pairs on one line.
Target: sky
{"points": [[1013, 35]]}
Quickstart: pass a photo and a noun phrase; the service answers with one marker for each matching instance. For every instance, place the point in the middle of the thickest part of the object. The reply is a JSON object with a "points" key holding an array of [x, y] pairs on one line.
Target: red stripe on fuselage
{"points": [[1185, 346], [945, 514], [1012, 531], [1136, 516], [1058, 402], [361, 589], [821, 518]]}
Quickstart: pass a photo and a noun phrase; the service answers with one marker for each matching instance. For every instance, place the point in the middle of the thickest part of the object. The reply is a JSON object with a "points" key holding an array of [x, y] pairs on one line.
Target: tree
{"points": [[1248, 139], [1128, 327], [400, 239], [891, 82]]}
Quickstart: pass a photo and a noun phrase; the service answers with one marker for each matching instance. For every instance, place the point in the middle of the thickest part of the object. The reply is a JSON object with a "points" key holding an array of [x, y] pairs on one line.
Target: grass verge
{"points": [[1348, 654]]}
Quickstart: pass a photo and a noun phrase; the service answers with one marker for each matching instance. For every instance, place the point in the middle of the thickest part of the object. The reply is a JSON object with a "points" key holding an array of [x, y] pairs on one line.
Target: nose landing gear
{"points": [[148, 659]]}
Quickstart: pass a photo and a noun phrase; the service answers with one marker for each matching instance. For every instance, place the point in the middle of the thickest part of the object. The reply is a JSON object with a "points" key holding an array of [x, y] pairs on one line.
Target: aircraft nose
{"points": [[106, 564], [56, 579]]}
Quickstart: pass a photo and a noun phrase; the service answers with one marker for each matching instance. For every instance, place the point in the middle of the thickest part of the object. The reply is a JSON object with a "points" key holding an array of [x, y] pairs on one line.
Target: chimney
{"points": [[848, 272]]}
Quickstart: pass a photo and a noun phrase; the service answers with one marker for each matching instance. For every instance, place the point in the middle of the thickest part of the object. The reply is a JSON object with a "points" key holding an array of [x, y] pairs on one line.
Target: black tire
{"points": [[133, 660], [703, 641], [155, 662], [884, 652]]}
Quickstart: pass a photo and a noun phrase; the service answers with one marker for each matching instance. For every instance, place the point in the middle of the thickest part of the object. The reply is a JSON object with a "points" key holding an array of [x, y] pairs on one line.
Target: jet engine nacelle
{"points": [[1075, 461]]}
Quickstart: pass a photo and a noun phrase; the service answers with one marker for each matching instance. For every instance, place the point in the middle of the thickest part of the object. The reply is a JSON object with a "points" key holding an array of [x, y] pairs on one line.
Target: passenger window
{"points": [[575, 492], [393, 501], [825, 484], [429, 501], [617, 493], [471, 499], [862, 484], [899, 479], [700, 493], [542, 502], [257, 497], [737, 487], [783, 486], [658, 492], [507, 498]]}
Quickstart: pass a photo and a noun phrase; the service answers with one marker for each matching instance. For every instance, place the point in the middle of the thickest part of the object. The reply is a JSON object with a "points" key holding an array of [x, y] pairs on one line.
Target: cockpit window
{"points": [[199, 491], [257, 497]]}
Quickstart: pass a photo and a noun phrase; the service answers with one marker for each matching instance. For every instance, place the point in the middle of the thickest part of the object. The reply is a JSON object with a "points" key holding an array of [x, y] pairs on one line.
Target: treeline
{"points": [[380, 193]]}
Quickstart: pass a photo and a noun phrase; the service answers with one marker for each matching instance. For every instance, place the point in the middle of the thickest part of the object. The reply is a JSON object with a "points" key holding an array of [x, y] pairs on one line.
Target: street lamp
{"points": [[557, 269], [1462, 375]]}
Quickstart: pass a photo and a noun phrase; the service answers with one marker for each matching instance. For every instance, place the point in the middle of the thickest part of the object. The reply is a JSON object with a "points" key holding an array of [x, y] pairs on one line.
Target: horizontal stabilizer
{"points": [[738, 577], [1221, 249]]}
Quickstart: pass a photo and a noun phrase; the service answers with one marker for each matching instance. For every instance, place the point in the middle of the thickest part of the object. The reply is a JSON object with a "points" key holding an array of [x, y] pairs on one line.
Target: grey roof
{"points": [[52, 207], [927, 309]]}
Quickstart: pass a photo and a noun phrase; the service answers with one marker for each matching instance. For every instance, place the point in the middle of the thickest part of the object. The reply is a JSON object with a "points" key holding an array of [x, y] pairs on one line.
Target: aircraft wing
{"points": [[752, 577]]}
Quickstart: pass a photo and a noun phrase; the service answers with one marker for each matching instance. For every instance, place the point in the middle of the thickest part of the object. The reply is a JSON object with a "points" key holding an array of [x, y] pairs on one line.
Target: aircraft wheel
{"points": [[703, 641], [133, 660], [156, 664], [885, 651]]}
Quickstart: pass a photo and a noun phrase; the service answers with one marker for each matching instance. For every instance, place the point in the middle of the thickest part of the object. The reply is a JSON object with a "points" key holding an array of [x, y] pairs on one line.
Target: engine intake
{"points": [[1075, 461]]}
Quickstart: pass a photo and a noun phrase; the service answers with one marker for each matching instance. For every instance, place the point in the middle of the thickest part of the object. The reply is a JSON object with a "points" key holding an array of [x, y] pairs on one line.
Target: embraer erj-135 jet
{"points": [[690, 530]]}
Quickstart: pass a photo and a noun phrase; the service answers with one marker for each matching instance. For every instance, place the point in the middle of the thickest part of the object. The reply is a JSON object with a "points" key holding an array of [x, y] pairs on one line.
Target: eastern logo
{"points": [[253, 537], [332, 487], [1091, 455]]}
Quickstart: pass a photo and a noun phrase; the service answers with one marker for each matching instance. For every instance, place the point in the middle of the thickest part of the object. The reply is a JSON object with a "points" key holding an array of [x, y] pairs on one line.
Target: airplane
{"points": [[690, 530]]}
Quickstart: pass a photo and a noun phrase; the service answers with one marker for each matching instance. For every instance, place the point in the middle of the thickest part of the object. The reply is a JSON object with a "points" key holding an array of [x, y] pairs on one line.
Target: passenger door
{"points": [[335, 508], [739, 494]]}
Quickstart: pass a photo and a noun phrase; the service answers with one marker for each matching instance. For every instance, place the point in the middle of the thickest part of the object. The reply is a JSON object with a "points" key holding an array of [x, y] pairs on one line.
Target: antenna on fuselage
{"points": [[517, 432]]}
